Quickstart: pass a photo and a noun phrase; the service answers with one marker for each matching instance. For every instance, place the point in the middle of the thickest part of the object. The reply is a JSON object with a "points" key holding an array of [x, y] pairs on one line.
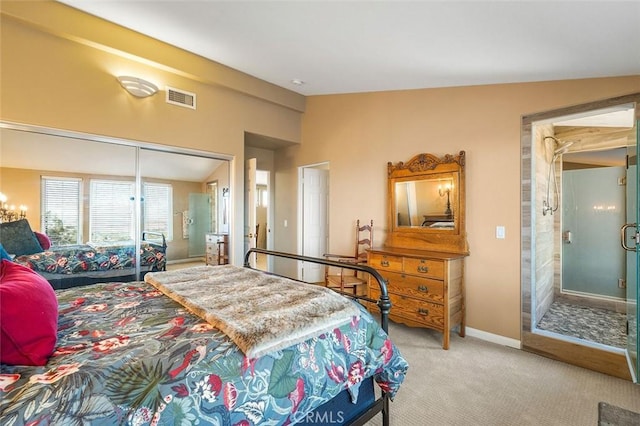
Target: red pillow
{"points": [[28, 316], [43, 239]]}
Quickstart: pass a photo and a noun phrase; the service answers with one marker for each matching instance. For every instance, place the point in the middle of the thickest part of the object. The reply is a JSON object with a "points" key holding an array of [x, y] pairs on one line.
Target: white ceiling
{"points": [[360, 46]]}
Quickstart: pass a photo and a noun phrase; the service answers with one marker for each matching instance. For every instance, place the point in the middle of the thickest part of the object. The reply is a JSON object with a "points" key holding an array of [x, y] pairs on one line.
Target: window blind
{"points": [[60, 210], [111, 211], [157, 208]]}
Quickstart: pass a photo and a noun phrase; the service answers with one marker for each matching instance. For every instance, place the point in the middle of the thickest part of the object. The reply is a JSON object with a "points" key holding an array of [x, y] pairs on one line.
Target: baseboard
{"points": [[493, 338]]}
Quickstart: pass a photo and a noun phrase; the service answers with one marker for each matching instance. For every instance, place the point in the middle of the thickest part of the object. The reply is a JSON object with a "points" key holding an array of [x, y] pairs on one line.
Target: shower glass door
{"points": [[633, 282], [592, 259], [199, 223]]}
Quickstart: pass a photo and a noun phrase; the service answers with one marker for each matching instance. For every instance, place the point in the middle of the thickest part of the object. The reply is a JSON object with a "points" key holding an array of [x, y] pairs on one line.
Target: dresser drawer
{"points": [[415, 310], [409, 285], [212, 248], [384, 262], [424, 267], [211, 259]]}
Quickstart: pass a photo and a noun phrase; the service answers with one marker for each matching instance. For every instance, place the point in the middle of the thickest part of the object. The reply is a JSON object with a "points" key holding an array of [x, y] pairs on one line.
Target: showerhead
{"points": [[550, 204], [560, 147]]}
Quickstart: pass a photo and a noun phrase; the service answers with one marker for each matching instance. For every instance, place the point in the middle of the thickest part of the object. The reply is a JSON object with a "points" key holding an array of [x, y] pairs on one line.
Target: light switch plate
{"points": [[500, 232]]}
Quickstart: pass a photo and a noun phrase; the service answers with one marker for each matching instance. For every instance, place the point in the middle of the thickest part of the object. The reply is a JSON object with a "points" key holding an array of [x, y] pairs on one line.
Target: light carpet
{"points": [[480, 383]]}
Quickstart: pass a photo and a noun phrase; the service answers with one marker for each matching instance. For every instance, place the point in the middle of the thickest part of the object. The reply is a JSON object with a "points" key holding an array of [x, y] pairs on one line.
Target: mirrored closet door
{"points": [[101, 209]]}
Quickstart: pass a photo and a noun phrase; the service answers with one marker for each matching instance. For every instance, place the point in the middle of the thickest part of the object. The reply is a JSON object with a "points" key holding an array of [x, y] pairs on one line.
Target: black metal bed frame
{"points": [[380, 405]]}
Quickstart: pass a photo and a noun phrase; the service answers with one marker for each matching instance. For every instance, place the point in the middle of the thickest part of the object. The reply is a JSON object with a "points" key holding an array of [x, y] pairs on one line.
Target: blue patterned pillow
{"points": [[18, 238], [3, 253]]}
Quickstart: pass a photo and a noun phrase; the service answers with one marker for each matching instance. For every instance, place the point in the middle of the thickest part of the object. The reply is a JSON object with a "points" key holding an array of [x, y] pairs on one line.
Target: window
{"points": [[60, 218], [111, 211], [157, 209]]}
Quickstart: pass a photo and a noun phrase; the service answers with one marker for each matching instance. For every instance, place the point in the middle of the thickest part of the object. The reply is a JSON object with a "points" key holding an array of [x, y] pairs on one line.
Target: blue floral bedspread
{"points": [[126, 354], [73, 259]]}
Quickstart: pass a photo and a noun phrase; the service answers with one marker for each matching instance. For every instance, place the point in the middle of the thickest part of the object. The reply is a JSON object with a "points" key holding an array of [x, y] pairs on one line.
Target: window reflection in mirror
{"points": [[425, 203]]}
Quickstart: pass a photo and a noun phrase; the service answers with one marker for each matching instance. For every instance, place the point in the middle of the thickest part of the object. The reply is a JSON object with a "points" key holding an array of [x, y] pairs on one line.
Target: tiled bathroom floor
{"points": [[593, 324]]}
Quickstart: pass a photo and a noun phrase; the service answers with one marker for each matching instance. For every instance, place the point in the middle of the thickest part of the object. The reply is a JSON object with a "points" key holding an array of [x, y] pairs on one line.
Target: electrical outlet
{"points": [[622, 283]]}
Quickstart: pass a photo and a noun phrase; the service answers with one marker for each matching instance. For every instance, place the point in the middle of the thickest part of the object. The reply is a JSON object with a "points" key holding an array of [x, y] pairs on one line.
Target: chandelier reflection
{"points": [[9, 213]]}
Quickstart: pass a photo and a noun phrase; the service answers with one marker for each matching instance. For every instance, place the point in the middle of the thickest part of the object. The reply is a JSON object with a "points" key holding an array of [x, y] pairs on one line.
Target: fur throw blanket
{"points": [[261, 313]]}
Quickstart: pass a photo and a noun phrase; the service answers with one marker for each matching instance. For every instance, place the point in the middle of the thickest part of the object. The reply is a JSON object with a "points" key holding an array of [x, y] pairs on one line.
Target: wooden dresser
{"points": [[426, 288], [216, 249]]}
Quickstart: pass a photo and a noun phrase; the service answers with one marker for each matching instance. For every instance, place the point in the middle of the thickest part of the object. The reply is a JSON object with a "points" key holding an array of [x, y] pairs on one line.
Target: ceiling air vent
{"points": [[181, 98]]}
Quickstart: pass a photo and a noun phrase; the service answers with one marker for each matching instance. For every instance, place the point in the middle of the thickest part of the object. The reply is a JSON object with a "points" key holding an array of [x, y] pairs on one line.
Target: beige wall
{"points": [[59, 69], [359, 133]]}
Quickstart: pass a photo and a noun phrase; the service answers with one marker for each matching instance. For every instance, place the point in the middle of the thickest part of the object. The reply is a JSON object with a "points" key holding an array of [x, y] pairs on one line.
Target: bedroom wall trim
{"points": [[493, 338]]}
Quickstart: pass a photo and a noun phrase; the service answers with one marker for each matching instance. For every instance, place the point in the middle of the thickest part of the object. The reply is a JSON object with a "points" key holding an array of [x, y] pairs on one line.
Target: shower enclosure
{"points": [[632, 251], [571, 232], [594, 210]]}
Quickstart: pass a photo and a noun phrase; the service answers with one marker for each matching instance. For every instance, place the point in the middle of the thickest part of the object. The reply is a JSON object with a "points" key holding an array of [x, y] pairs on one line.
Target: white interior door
{"points": [[315, 188], [250, 207]]}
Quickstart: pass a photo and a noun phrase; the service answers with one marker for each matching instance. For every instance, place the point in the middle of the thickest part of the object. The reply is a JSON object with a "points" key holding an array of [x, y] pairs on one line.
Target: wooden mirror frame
{"points": [[429, 167]]}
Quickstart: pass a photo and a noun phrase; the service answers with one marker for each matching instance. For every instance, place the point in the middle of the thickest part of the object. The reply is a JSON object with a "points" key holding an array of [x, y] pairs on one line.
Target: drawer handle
{"points": [[384, 263], [423, 288], [423, 269], [423, 311]]}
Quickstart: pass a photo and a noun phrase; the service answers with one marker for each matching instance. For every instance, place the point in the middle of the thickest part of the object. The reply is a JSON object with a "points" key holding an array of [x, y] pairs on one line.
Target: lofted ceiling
{"points": [[360, 46], [330, 47]]}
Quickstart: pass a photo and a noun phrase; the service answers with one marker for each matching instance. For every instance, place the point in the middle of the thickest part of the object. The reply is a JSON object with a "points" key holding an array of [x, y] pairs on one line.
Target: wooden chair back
{"points": [[364, 240]]}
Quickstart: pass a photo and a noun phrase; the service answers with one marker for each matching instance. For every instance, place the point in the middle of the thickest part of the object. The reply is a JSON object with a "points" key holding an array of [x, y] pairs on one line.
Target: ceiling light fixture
{"points": [[137, 86], [297, 82]]}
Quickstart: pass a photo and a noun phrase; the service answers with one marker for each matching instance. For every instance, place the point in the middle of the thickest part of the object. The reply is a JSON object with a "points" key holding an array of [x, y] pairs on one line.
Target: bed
{"points": [[82, 264], [127, 353]]}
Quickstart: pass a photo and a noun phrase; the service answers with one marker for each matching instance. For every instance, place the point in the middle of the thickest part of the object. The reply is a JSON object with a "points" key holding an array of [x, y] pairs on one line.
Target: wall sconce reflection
{"points": [[8, 213], [446, 190]]}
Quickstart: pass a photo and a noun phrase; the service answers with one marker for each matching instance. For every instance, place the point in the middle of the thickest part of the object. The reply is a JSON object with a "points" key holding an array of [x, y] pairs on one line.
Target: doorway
{"points": [[257, 217], [590, 129], [314, 216], [589, 296], [269, 154], [262, 217]]}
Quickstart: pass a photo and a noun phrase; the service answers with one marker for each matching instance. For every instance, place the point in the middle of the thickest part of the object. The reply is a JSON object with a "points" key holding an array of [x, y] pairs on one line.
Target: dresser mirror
{"points": [[427, 203]]}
